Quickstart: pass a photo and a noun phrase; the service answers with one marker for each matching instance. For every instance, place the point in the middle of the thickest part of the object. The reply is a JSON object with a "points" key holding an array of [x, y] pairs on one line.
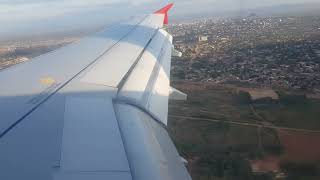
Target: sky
{"points": [[23, 17]]}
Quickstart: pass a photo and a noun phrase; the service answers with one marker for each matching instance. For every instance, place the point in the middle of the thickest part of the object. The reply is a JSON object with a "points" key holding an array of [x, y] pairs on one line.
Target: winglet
{"points": [[165, 11]]}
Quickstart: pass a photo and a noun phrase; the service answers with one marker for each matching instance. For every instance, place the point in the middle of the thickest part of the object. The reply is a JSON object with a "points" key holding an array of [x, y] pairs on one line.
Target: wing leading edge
{"points": [[103, 113]]}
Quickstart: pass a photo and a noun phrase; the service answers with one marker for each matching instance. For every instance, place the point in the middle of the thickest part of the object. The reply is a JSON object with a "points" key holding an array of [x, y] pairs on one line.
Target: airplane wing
{"points": [[93, 110]]}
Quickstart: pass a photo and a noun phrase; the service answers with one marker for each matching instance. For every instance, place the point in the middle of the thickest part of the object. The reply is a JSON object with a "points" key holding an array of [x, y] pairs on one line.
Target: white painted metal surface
{"points": [[135, 85], [157, 100], [176, 53], [149, 146], [177, 95], [32, 149], [113, 66], [148, 84], [91, 139], [21, 87], [92, 176], [59, 119]]}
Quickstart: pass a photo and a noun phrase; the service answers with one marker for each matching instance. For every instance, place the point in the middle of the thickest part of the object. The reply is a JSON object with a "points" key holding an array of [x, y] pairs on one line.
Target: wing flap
{"points": [[91, 137], [158, 101], [148, 83], [92, 176], [136, 84], [149, 145]]}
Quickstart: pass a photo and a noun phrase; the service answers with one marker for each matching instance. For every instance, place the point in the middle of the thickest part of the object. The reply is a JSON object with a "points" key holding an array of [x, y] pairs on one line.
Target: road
{"points": [[248, 124]]}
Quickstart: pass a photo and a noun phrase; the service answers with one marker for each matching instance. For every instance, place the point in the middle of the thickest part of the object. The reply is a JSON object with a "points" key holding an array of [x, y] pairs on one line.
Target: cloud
{"points": [[20, 17], [21, 10], [33, 10]]}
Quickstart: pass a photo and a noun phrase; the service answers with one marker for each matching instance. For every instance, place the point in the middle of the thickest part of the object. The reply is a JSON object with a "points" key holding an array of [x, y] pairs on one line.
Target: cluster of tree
{"points": [[301, 170], [229, 166]]}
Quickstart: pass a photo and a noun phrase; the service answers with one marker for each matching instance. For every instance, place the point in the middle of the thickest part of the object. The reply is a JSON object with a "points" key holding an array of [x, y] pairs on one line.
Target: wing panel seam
{"points": [[64, 84], [124, 79], [155, 72]]}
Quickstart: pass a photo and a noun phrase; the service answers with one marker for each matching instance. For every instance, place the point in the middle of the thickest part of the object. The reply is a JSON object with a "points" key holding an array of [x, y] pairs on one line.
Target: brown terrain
{"points": [[300, 147], [226, 133]]}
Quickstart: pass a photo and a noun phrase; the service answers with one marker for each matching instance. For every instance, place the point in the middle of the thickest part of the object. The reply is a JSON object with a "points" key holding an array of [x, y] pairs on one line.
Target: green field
{"points": [[203, 130], [213, 102], [207, 145], [294, 111]]}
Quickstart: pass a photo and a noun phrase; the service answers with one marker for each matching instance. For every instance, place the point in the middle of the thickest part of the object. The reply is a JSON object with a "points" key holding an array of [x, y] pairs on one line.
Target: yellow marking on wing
{"points": [[47, 81]]}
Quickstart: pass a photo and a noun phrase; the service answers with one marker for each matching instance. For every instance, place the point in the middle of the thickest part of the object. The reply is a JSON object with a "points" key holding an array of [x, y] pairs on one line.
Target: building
{"points": [[203, 38]]}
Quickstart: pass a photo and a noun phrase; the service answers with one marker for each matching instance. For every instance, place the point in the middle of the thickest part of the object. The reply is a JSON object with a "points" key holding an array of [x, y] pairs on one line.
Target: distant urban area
{"points": [[266, 52], [15, 52]]}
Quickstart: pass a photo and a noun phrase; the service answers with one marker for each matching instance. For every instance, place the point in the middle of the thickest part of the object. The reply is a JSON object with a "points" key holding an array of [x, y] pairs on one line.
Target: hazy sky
{"points": [[20, 17], [21, 10]]}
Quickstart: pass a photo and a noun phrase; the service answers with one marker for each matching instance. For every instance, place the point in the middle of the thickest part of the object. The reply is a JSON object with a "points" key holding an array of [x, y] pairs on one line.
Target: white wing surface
{"points": [[93, 110]]}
